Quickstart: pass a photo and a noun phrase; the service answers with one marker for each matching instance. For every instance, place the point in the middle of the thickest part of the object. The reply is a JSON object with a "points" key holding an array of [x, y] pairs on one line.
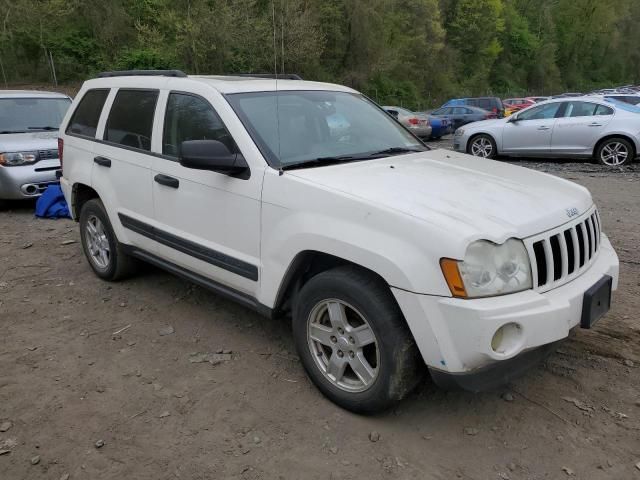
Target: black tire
{"points": [[399, 365], [493, 153], [119, 265], [602, 153]]}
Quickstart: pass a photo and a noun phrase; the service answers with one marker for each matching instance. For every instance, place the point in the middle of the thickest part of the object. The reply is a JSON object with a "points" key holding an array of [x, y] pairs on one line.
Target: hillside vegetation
{"points": [[410, 52]]}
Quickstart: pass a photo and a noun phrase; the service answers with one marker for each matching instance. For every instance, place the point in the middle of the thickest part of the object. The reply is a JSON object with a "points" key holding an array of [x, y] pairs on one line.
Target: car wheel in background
{"points": [[482, 146], [353, 340], [100, 245], [615, 152]]}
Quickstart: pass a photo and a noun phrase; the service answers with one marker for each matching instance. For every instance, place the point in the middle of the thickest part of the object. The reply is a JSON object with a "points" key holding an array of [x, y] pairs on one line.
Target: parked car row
{"points": [[29, 122]]}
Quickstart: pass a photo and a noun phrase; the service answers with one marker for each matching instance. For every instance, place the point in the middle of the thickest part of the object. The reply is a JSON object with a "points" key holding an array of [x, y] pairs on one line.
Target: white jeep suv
{"points": [[306, 199]]}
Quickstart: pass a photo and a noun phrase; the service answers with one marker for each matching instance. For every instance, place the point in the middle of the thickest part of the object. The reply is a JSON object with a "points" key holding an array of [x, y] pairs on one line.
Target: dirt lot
{"points": [[67, 381]]}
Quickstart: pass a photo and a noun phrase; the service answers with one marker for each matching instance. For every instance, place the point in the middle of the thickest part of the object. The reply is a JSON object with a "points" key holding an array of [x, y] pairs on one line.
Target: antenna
{"points": [[275, 70]]}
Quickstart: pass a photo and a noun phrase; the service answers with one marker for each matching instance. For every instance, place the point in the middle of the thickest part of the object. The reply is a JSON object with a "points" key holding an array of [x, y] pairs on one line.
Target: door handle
{"points": [[544, 128], [167, 181], [595, 124], [102, 161]]}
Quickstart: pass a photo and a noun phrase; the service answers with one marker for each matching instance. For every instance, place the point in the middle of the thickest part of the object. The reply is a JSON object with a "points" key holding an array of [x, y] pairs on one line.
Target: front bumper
{"points": [[27, 181], [455, 335], [460, 143]]}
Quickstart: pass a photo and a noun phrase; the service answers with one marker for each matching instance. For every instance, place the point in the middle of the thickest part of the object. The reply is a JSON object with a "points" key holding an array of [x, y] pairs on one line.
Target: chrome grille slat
{"points": [[557, 247], [564, 255], [576, 254]]}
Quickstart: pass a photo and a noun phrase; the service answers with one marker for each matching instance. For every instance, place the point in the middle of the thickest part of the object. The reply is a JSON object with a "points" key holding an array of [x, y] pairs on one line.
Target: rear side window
{"points": [[189, 117], [85, 118], [131, 118], [602, 110], [581, 109]]}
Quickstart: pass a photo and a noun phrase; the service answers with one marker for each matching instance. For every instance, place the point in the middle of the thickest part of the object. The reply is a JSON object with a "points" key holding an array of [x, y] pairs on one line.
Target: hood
{"points": [[470, 196], [485, 123], [25, 142]]}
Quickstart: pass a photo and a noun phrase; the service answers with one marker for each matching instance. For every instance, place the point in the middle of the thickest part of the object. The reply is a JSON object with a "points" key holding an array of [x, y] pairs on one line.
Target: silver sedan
{"points": [[417, 123], [584, 127]]}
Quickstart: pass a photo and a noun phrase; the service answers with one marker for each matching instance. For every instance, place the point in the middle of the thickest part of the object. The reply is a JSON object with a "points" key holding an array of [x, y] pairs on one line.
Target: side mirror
{"points": [[393, 113], [213, 155], [513, 119]]}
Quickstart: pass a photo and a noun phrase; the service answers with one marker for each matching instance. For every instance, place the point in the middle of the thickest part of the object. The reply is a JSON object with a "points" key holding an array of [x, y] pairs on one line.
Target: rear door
{"points": [[530, 132], [122, 163], [581, 125]]}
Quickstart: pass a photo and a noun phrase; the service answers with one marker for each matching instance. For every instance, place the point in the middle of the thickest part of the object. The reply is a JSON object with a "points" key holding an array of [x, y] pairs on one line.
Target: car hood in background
{"points": [[478, 197], [25, 142], [491, 123]]}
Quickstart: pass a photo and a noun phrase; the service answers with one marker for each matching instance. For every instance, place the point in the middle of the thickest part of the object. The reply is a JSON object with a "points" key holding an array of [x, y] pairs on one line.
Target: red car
{"points": [[517, 104]]}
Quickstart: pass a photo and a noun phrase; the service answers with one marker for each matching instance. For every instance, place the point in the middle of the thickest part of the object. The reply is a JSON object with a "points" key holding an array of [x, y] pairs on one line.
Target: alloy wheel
{"points": [[97, 242], [482, 147], [614, 154], [343, 345]]}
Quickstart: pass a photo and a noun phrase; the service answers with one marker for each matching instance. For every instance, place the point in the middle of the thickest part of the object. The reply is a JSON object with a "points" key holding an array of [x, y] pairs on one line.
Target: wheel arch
{"points": [[81, 194], [304, 266], [628, 138]]}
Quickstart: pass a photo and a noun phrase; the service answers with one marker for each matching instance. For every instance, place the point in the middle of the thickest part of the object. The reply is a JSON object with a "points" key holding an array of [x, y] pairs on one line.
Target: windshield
{"points": [[19, 115], [295, 127]]}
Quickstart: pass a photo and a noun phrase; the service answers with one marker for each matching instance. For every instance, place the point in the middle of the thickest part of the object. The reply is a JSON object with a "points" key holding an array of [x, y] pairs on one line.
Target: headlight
{"points": [[459, 132], [489, 269], [17, 158]]}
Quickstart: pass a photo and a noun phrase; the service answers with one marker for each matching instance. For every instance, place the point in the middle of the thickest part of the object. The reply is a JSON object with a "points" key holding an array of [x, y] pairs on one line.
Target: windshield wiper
{"points": [[12, 131], [396, 151], [47, 128], [315, 162]]}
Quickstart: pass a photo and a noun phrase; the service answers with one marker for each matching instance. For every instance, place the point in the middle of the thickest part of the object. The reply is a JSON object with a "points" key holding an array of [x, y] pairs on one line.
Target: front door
{"points": [[206, 222], [530, 132]]}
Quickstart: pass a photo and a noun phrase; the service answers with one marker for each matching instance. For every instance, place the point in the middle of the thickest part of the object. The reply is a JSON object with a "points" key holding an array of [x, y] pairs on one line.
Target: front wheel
{"points": [[615, 152], [482, 146], [353, 341]]}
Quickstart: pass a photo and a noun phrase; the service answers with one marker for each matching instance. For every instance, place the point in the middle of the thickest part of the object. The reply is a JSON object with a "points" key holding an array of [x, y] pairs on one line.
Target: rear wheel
{"points": [[353, 340], [615, 152], [100, 245], [482, 146]]}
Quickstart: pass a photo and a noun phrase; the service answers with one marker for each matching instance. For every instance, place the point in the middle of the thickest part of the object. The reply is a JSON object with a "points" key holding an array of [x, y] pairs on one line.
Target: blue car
{"points": [[439, 127]]}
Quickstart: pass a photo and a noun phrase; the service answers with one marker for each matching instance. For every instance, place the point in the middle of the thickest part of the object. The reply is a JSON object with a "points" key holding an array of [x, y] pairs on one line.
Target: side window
{"points": [[84, 120], [604, 110], [580, 109], [192, 118], [543, 112], [131, 118]]}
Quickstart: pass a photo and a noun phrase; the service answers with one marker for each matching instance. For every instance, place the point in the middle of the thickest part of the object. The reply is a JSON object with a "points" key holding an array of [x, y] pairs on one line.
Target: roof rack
{"points": [[279, 76], [143, 73]]}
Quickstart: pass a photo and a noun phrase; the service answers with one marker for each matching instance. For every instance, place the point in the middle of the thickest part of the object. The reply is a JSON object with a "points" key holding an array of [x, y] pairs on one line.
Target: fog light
{"points": [[507, 339]]}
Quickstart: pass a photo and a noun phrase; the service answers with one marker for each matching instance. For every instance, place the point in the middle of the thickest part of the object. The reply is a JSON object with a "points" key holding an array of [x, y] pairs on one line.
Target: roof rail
{"points": [[279, 76], [143, 73]]}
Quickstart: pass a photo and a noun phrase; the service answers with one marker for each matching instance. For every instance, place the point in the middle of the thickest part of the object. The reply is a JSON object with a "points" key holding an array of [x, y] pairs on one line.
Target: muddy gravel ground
{"points": [[105, 381]]}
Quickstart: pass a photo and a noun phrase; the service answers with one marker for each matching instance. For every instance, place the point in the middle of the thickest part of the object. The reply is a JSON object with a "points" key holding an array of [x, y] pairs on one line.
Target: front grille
{"points": [[47, 154], [561, 254]]}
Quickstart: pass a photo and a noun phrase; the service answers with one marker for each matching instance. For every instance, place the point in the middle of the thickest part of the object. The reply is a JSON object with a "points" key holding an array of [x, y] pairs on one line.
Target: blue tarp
{"points": [[52, 204]]}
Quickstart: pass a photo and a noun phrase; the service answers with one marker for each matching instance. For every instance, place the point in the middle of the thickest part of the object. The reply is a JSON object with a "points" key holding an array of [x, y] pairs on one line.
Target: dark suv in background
{"points": [[491, 104]]}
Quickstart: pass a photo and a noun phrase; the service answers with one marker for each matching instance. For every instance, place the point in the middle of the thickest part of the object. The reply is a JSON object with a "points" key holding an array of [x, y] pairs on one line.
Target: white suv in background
{"points": [[306, 199]]}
